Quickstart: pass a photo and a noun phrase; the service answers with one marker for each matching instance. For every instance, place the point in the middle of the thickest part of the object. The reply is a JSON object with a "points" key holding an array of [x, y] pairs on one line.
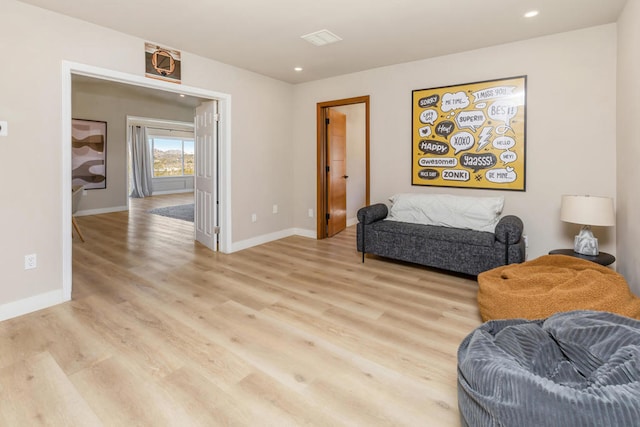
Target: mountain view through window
{"points": [[172, 156]]}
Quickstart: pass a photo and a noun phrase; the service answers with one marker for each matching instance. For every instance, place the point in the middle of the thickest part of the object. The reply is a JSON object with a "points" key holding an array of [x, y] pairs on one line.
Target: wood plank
{"points": [[36, 392], [162, 331]]}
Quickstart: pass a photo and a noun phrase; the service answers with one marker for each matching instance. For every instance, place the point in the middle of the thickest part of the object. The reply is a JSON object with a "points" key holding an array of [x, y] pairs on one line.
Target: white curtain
{"points": [[141, 163]]}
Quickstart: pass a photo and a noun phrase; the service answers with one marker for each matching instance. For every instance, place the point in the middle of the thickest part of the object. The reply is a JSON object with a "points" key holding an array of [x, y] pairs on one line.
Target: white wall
{"points": [[356, 158], [571, 126], [628, 143], [34, 44], [113, 103]]}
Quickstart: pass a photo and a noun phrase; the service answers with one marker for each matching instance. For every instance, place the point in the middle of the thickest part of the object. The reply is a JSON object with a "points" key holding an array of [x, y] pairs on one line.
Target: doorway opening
{"points": [[331, 183], [169, 157], [223, 130]]}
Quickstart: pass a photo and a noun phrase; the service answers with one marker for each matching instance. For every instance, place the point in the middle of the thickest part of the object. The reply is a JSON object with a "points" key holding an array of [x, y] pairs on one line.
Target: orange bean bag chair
{"points": [[551, 284]]}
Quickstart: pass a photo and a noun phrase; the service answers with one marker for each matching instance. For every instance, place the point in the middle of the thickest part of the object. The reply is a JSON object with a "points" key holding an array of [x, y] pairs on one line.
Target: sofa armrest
{"points": [[372, 213], [509, 229]]}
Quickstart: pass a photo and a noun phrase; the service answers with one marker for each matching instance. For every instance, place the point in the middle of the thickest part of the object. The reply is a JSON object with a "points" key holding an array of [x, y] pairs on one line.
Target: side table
{"points": [[602, 258]]}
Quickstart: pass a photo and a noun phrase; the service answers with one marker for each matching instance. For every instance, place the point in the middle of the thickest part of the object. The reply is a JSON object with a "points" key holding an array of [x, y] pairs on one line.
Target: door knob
{"points": [[345, 176]]}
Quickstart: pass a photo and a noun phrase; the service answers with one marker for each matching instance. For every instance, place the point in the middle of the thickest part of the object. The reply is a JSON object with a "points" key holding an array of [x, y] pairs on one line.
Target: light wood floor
{"points": [[161, 331]]}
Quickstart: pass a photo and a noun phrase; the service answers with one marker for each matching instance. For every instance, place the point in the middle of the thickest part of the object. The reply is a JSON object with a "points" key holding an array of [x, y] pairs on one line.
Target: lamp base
{"points": [[585, 243]]}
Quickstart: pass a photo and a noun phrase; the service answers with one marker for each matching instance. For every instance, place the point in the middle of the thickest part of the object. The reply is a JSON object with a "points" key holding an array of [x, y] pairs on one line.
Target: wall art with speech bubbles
{"points": [[471, 135]]}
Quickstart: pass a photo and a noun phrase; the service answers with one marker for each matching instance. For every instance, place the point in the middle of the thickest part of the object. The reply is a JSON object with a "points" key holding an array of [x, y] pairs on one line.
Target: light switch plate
{"points": [[4, 128]]}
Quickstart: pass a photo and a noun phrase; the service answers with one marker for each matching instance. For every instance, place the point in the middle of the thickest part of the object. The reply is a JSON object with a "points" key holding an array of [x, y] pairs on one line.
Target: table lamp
{"points": [[587, 211]]}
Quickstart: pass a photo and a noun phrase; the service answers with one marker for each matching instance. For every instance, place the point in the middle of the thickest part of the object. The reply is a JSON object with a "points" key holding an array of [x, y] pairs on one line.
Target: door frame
{"points": [[224, 107], [321, 145]]}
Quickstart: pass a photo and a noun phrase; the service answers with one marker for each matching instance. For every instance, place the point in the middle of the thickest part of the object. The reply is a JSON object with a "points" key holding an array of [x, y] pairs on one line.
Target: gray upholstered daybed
{"points": [[461, 234], [575, 369]]}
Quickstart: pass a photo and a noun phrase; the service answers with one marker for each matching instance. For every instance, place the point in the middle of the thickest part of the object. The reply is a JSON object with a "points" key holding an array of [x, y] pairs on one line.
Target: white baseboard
{"points": [[101, 211], [31, 304], [305, 233], [266, 238], [352, 221]]}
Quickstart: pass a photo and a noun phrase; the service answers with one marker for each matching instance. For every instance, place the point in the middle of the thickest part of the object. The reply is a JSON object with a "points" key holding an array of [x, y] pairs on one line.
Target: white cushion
{"points": [[474, 213]]}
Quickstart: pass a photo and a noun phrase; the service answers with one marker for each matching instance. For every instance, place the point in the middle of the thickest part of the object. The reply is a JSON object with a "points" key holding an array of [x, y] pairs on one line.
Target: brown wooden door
{"points": [[337, 173]]}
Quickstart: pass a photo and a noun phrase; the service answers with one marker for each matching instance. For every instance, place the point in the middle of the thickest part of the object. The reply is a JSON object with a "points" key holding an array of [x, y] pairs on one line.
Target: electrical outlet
{"points": [[30, 261], [4, 128], [275, 209], [254, 217], [310, 213]]}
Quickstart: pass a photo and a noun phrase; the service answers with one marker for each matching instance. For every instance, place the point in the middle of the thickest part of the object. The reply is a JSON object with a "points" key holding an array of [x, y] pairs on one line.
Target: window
{"points": [[172, 156]]}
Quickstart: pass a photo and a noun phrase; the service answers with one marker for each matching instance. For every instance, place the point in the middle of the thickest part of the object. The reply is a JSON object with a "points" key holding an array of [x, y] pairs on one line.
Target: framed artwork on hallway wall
{"points": [[162, 63], [470, 135], [89, 153]]}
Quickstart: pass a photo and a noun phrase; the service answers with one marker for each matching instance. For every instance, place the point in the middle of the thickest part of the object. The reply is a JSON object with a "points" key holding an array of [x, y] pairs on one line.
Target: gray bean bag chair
{"points": [[578, 368]]}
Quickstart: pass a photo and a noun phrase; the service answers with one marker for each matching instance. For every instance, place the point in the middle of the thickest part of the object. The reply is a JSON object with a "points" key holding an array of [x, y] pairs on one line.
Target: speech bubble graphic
{"points": [[454, 101], [481, 105], [424, 131], [428, 117], [433, 147], [503, 111], [470, 119], [428, 174], [501, 176], [429, 101], [508, 157], [504, 142], [462, 141], [478, 161], [444, 129], [455, 175], [492, 93], [438, 162]]}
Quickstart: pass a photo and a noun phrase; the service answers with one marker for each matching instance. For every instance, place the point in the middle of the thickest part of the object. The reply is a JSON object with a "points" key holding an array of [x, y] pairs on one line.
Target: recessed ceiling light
{"points": [[322, 37], [298, 69], [531, 14], [182, 95]]}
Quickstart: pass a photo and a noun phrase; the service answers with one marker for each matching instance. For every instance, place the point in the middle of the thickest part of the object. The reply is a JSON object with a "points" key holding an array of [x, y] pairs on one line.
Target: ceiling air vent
{"points": [[321, 38]]}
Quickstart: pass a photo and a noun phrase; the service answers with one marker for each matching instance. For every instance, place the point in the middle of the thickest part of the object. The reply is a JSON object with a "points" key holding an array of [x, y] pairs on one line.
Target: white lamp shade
{"points": [[588, 210]]}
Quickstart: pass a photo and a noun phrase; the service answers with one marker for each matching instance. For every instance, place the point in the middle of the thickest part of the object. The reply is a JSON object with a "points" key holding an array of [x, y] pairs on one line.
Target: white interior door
{"points": [[206, 174]]}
